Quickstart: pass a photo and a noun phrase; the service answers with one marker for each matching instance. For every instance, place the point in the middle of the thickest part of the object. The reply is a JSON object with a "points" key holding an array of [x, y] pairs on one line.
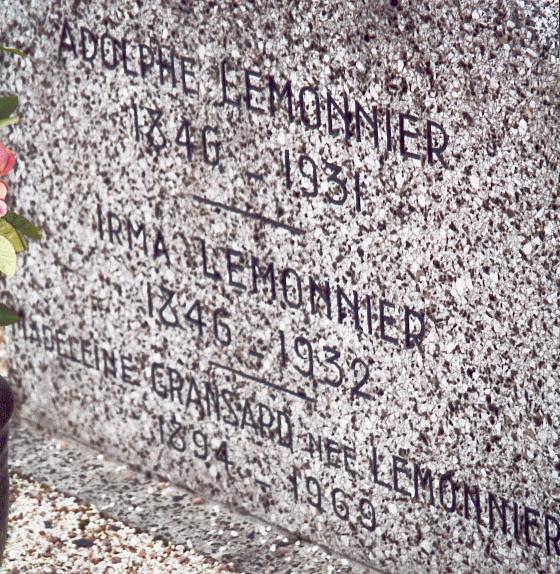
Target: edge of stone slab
{"points": [[241, 542]]}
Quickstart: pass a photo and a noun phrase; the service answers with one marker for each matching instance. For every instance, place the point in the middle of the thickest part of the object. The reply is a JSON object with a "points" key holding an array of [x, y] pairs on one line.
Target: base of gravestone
{"points": [[169, 512]]}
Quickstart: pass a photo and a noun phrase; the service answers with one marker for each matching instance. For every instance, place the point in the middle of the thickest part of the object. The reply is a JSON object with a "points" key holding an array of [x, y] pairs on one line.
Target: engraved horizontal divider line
{"points": [[254, 175], [249, 214], [262, 381]]}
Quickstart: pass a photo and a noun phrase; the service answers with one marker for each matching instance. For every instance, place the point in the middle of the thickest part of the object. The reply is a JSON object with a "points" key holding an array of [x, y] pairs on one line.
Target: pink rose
{"points": [[7, 160], [3, 189], [3, 208]]}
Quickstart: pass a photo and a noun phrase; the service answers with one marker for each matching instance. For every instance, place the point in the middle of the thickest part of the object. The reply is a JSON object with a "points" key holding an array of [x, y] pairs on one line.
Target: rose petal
{"points": [[3, 208], [7, 160], [3, 189]]}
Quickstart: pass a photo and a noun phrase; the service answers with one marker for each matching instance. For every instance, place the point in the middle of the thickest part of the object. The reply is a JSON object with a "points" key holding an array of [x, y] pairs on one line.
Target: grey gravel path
{"points": [[52, 533]]}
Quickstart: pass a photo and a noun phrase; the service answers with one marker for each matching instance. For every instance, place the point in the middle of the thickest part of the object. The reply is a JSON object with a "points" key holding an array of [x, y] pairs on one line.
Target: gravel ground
{"points": [[51, 533]]}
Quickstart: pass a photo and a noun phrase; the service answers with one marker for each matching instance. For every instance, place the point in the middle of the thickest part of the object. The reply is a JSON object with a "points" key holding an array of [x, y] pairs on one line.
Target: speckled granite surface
{"points": [[304, 259]]}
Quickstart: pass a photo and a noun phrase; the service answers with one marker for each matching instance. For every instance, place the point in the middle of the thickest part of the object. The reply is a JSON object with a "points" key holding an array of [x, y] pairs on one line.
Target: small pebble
{"points": [[83, 543]]}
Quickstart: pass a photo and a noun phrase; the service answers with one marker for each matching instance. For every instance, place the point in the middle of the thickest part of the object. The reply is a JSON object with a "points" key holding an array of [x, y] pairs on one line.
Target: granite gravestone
{"points": [[303, 259]]}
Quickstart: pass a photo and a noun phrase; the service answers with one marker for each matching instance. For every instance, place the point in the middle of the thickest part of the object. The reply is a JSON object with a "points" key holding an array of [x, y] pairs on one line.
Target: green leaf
{"points": [[8, 121], [22, 225], [9, 232], [12, 51], [7, 316], [7, 257], [8, 105]]}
